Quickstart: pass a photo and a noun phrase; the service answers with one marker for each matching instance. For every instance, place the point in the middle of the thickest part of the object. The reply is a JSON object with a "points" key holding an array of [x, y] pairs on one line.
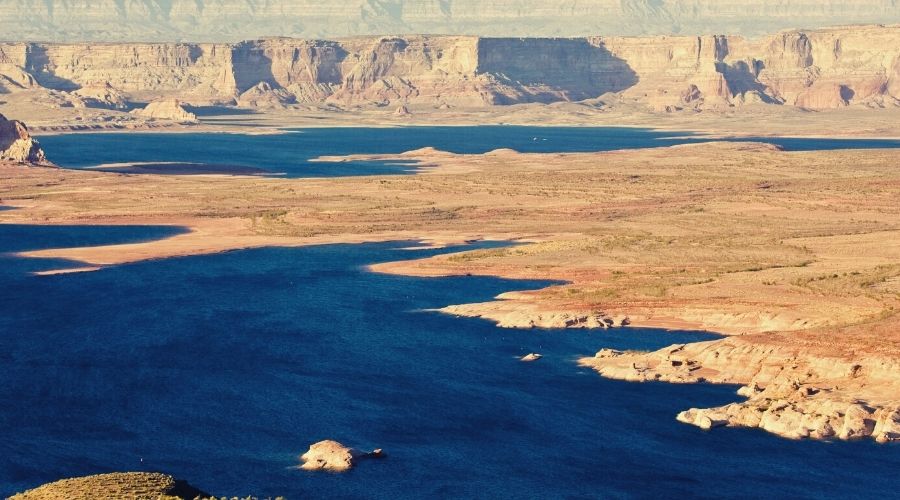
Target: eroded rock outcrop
{"points": [[14, 79], [333, 456], [790, 392], [16, 144], [263, 95], [508, 312], [803, 417], [169, 109], [102, 96]]}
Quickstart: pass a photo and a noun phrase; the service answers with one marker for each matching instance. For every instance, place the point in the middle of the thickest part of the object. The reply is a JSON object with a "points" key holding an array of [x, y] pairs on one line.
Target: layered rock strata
{"points": [[790, 391], [827, 68]]}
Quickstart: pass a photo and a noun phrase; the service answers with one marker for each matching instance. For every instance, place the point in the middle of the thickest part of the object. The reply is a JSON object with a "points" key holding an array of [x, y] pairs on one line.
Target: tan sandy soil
{"points": [[795, 254], [746, 121]]}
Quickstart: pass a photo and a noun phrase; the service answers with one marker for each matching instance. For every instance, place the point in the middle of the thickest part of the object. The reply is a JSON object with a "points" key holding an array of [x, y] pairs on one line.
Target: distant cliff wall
{"points": [[131, 67], [552, 69], [814, 69]]}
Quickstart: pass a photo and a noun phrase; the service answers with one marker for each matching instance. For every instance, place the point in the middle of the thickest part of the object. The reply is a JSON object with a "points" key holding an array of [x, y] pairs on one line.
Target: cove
{"points": [[222, 369], [289, 154], [22, 237]]}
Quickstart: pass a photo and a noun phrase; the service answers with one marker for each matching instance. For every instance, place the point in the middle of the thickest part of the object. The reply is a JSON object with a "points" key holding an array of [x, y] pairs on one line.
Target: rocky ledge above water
{"points": [[789, 393], [509, 313]]}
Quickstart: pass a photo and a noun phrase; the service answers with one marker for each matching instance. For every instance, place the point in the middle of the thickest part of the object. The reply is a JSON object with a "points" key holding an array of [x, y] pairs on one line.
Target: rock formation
{"points": [[511, 313], [813, 69], [231, 20], [102, 96], [790, 391], [264, 96], [334, 457], [169, 109], [119, 485], [14, 79], [16, 144]]}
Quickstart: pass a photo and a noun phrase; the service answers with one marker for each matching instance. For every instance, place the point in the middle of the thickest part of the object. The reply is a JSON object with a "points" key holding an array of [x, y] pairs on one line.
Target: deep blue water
{"points": [[21, 237], [222, 369], [290, 153]]}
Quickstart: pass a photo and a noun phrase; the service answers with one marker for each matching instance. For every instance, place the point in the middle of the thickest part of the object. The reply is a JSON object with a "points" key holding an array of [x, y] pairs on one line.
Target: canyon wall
{"points": [[234, 20], [813, 69]]}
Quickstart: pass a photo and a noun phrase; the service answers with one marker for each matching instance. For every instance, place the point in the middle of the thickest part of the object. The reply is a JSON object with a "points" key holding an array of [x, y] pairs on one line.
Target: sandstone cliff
{"points": [[852, 66], [16, 144], [232, 20]]}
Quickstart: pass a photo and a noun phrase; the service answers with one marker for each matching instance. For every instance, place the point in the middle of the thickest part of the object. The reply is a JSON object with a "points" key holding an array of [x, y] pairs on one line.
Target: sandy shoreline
{"points": [[210, 236], [243, 130], [220, 236], [779, 250], [857, 122]]}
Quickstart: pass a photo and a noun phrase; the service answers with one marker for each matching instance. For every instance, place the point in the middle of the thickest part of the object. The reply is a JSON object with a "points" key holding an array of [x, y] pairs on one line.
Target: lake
{"points": [[289, 154], [222, 369]]}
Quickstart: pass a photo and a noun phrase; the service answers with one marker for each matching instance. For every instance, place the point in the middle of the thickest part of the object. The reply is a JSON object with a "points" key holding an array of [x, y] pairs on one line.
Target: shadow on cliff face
{"points": [[743, 77], [550, 69], [847, 94], [251, 66], [37, 63], [313, 62]]}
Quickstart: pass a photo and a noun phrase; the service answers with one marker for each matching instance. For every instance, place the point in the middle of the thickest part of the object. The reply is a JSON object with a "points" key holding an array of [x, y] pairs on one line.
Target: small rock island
{"points": [[333, 456]]}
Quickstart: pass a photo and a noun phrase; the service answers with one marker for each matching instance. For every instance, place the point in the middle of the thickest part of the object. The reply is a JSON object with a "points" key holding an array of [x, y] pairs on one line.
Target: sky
{"points": [[234, 20]]}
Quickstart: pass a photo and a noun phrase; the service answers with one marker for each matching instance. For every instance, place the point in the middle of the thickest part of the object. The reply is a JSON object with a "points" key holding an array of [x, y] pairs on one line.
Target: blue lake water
{"points": [[222, 369], [289, 153]]}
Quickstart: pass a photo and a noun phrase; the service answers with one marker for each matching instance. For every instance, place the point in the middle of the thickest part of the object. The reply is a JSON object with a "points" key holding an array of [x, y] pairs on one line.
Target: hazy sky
{"points": [[231, 20]]}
